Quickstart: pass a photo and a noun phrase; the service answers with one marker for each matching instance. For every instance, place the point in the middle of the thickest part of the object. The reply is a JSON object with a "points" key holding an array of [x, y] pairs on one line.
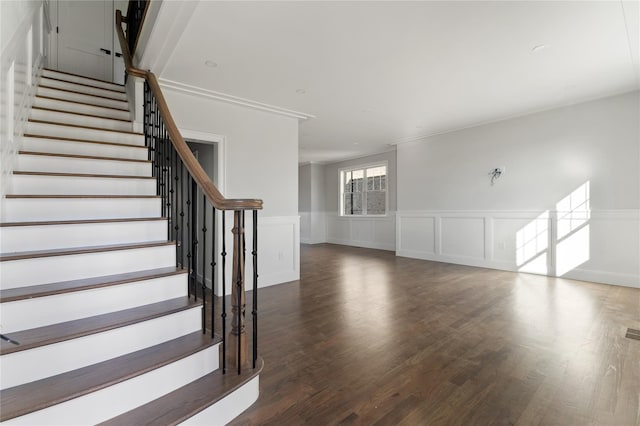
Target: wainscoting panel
{"points": [[462, 237], [374, 232], [597, 245], [416, 234]]}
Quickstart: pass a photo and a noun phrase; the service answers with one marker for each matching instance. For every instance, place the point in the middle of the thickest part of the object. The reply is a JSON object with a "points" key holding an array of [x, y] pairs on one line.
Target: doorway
{"points": [[85, 41]]}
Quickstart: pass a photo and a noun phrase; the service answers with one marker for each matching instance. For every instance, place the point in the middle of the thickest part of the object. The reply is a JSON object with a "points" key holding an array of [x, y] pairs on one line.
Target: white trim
{"points": [[223, 97]]}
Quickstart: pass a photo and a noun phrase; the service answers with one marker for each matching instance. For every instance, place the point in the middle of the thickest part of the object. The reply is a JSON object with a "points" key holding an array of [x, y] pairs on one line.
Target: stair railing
{"points": [[181, 181]]}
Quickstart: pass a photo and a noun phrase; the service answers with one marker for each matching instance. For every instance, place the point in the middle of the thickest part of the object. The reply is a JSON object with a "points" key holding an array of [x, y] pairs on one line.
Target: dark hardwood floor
{"points": [[368, 338]]}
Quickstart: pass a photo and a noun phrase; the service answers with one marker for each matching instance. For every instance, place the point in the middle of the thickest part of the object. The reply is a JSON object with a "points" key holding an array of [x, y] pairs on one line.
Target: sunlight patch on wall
{"points": [[574, 213], [532, 244]]}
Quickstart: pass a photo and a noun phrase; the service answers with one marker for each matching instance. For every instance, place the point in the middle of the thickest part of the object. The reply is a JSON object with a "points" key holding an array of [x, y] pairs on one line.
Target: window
{"points": [[363, 191]]}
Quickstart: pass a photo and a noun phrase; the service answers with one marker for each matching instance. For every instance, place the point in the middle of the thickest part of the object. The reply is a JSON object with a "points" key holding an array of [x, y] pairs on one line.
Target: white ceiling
{"points": [[375, 74]]}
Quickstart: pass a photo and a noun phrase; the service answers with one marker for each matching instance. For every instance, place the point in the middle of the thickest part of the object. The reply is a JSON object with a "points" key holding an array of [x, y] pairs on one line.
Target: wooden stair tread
{"points": [[68, 330], [121, 90], [42, 290], [83, 76], [84, 175], [80, 103], [59, 138], [80, 221], [87, 157], [4, 257], [33, 396], [179, 405], [44, 86], [81, 114], [80, 126]]}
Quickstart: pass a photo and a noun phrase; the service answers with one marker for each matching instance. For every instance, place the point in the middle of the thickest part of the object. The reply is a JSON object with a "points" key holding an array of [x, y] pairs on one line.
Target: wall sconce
{"points": [[496, 173]]}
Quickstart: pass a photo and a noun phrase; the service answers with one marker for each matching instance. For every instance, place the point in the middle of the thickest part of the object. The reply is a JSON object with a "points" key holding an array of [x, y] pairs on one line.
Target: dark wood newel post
{"points": [[238, 355]]}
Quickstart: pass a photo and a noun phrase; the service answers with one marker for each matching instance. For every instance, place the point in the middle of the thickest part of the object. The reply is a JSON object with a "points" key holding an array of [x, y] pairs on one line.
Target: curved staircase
{"points": [[89, 284]]}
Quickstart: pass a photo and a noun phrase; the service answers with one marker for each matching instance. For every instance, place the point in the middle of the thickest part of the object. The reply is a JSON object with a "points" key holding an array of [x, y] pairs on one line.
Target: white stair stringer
{"points": [[47, 269], [106, 403], [31, 162], [86, 88], [18, 315], [78, 97], [229, 407], [34, 364], [46, 73], [86, 148], [61, 235], [70, 106], [80, 185], [42, 209], [63, 131], [79, 119]]}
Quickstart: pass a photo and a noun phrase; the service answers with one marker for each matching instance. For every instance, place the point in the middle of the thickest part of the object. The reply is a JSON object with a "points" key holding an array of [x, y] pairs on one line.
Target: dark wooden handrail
{"points": [[193, 166]]}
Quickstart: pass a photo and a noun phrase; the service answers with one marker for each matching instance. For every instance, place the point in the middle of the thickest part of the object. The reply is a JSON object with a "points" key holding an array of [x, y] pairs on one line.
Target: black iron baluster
{"points": [[204, 257], [188, 233], [254, 310], [180, 226], [239, 279], [213, 269], [169, 188], [223, 295], [194, 238], [174, 208]]}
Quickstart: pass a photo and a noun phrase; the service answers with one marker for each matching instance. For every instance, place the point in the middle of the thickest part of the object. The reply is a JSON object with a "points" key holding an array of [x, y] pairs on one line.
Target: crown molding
{"points": [[223, 97]]}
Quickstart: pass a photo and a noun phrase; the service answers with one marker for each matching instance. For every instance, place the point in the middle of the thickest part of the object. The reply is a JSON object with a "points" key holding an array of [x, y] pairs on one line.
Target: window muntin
{"points": [[364, 191]]}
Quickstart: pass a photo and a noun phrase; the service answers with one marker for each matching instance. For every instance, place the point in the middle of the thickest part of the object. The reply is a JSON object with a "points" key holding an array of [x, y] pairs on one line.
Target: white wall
{"points": [[23, 42], [371, 232], [449, 211], [311, 204], [261, 161]]}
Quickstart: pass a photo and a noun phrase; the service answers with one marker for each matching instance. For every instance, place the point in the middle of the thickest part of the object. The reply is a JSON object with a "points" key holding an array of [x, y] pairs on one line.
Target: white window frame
{"points": [[341, 172]]}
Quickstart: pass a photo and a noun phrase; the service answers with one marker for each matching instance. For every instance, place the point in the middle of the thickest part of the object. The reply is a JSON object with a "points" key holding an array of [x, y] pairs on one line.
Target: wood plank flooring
{"points": [[367, 338]]}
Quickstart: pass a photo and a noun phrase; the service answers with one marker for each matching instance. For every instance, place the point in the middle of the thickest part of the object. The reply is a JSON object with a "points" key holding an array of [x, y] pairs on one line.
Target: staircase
{"points": [[89, 284]]}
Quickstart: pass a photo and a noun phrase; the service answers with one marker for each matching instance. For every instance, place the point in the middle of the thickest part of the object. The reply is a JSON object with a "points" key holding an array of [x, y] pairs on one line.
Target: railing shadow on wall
{"points": [[181, 185]]}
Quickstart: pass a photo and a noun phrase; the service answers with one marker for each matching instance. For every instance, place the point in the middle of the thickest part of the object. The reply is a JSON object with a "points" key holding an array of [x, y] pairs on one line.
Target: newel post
{"points": [[238, 351]]}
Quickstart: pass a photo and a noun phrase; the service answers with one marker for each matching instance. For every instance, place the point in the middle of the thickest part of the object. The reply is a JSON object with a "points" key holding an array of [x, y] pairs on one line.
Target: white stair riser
{"points": [[37, 363], [58, 146], [61, 131], [41, 163], [117, 399], [87, 99], [49, 237], [229, 407], [81, 80], [81, 108], [43, 270], [42, 311], [78, 87], [30, 210], [68, 185], [80, 120]]}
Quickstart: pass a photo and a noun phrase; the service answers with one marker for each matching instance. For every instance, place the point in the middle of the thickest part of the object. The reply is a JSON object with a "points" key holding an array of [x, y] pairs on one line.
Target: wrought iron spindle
{"points": [[189, 225], [213, 269], [254, 307], [194, 239], [204, 257], [223, 256]]}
